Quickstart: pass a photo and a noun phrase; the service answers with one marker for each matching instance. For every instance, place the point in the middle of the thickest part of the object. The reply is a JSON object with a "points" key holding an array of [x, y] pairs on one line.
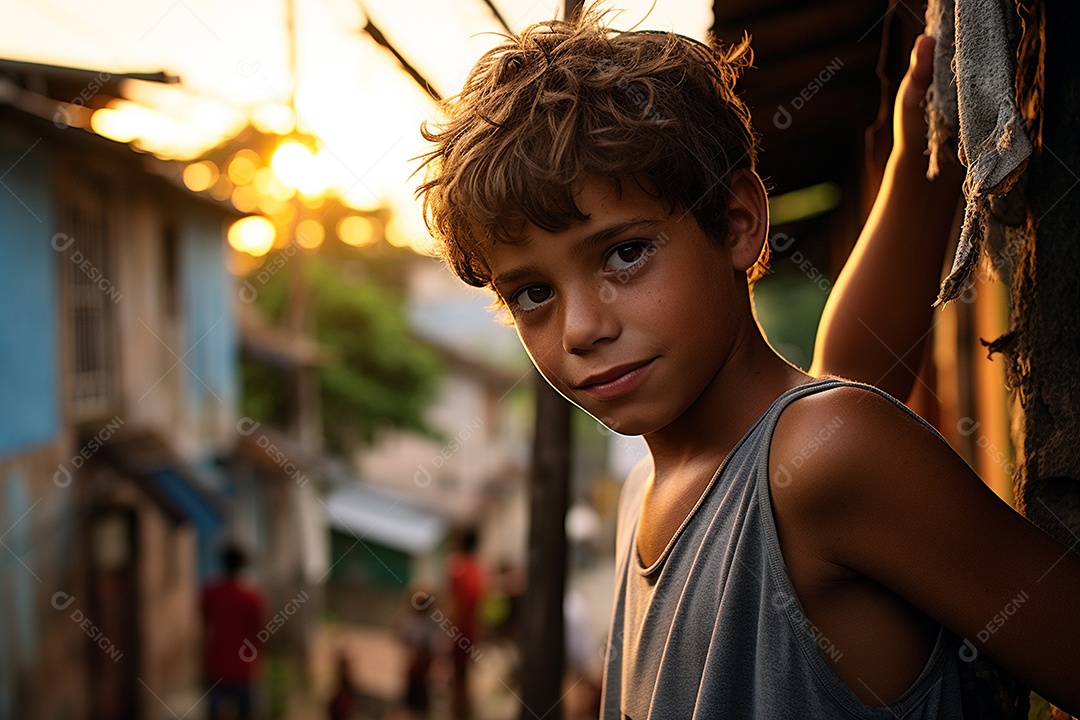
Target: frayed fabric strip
{"points": [[974, 102]]}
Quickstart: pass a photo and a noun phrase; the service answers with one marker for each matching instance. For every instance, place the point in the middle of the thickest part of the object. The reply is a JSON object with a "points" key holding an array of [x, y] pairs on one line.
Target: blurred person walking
{"points": [[233, 613], [418, 634], [343, 701]]}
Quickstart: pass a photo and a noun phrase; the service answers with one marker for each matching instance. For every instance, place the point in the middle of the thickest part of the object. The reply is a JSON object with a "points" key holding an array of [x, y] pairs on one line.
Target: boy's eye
{"points": [[627, 255], [532, 297]]}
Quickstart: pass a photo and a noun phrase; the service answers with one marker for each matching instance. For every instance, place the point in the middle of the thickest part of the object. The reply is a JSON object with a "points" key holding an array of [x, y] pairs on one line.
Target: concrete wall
{"points": [[41, 521]]}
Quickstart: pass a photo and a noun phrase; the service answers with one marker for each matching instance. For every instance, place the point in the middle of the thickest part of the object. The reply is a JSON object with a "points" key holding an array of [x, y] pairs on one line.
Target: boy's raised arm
{"points": [[890, 501], [878, 315]]}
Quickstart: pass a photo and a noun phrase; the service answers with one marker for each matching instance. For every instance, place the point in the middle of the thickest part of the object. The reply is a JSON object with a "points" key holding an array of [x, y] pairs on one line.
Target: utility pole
{"points": [[542, 637]]}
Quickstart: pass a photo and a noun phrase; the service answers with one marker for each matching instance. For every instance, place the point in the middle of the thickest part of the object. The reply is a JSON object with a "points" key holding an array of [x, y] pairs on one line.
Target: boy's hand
{"points": [[909, 114], [909, 117]]}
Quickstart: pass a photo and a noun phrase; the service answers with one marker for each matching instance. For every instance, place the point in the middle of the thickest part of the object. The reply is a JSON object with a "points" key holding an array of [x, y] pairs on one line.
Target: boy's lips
{"points": [[616, 381]]}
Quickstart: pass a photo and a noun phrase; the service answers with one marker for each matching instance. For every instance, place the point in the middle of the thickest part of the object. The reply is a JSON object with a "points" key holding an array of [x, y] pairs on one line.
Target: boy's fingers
{"points": [[921, 65], [909, 119]]}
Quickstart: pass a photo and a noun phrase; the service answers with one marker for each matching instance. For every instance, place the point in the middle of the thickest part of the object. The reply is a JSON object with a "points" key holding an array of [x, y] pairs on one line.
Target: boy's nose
{"points": [[589, 319]]}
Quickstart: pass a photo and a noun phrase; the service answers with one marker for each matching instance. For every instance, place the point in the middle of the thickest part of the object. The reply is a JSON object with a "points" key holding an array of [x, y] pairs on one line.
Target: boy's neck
{"points": [[741, 391]]}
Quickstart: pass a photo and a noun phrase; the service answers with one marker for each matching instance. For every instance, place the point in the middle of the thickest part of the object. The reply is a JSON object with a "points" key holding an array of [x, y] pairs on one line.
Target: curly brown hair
{"points": [[568, 98]]}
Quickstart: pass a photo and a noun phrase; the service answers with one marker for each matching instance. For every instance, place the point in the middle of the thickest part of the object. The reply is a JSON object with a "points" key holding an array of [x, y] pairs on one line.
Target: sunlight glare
{"points": [[356, 230], [253, 234], [310, 234]]}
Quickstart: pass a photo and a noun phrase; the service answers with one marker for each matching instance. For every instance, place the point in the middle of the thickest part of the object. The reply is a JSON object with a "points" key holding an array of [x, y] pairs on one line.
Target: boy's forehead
{"points": [[588, 191], [607, 199], [601, 196], [610, 207]]}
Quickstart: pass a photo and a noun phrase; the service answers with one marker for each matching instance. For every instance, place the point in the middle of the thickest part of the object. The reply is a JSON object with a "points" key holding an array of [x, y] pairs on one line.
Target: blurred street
{"points": [[378, 660]]}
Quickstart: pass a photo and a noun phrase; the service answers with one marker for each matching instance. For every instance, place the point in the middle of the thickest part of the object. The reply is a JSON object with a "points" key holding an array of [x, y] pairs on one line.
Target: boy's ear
{"points": [[748, 219]]}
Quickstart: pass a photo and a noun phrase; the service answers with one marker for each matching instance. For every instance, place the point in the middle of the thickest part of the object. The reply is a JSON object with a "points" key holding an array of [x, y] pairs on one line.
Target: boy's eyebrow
{"points": [[604, 234], [513, 275], [597, 238]]}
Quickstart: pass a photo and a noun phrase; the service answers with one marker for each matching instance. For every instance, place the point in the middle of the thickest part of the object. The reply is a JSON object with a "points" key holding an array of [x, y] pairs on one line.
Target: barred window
{"points": [[89, 300]]}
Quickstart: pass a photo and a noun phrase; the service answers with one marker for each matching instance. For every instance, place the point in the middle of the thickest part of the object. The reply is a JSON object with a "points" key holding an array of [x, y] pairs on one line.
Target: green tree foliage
{"points": [[379, 374]]}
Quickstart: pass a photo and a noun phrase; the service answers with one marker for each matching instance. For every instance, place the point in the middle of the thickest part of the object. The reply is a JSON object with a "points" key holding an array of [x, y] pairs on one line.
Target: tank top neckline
{"points": [[657, 564]]}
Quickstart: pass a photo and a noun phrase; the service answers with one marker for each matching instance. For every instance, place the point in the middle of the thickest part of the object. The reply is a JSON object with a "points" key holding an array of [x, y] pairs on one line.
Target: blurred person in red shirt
{"points": [[467, 586], [233, 613]]}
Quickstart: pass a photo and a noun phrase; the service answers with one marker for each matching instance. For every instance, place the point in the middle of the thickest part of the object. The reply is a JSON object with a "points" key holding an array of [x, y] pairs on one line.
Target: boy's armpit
{"points": [[877, 492]]}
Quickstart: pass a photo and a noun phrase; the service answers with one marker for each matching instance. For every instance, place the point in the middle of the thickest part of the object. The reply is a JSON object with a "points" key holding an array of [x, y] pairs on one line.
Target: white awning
{"points": [[384, 517]]}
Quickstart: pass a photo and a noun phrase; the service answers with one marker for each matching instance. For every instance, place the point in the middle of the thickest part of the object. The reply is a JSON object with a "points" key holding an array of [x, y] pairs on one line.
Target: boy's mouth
{"points": [[616, 381]]}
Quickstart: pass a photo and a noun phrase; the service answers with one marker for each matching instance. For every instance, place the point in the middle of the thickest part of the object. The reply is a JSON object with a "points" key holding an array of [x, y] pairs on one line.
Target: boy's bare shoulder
{"points": [[849, 467], [843, 444], [871, 489]]}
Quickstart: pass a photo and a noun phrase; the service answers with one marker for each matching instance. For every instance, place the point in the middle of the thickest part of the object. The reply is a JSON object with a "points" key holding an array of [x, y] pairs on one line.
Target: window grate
{"points": [[91, 299]]}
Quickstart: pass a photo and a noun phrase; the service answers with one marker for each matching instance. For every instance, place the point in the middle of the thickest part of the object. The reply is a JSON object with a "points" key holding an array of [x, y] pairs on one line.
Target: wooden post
{"points": [[542, 617]]}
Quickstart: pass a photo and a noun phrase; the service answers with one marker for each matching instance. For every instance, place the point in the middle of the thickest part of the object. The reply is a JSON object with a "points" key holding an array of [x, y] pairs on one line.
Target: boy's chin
{"points": [[620, 430], [615, 423], [629, 428]]}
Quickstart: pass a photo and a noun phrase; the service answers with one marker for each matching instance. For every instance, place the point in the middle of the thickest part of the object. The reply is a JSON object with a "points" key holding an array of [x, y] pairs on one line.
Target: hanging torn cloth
{"points": [[972, 99]]}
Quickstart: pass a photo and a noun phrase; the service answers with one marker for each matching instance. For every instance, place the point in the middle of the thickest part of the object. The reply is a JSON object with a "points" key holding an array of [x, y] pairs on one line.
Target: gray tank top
{"points": [[713, 629]]}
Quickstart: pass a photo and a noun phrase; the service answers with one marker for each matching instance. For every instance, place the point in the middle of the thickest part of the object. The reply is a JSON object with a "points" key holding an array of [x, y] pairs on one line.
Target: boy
{"points": [[793, 547]]}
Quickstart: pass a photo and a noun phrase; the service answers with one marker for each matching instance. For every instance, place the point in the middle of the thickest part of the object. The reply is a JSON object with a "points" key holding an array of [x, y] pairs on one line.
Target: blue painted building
{"points": [[118, 357]]}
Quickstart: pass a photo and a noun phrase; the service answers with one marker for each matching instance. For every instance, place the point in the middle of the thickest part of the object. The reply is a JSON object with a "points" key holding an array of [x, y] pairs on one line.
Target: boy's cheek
{"points": [[544, 362], [540, 347], [548, 372]]}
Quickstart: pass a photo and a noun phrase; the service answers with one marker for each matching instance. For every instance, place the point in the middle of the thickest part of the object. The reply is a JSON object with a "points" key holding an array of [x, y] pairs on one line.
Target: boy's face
{"points": [[628, 314]]}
